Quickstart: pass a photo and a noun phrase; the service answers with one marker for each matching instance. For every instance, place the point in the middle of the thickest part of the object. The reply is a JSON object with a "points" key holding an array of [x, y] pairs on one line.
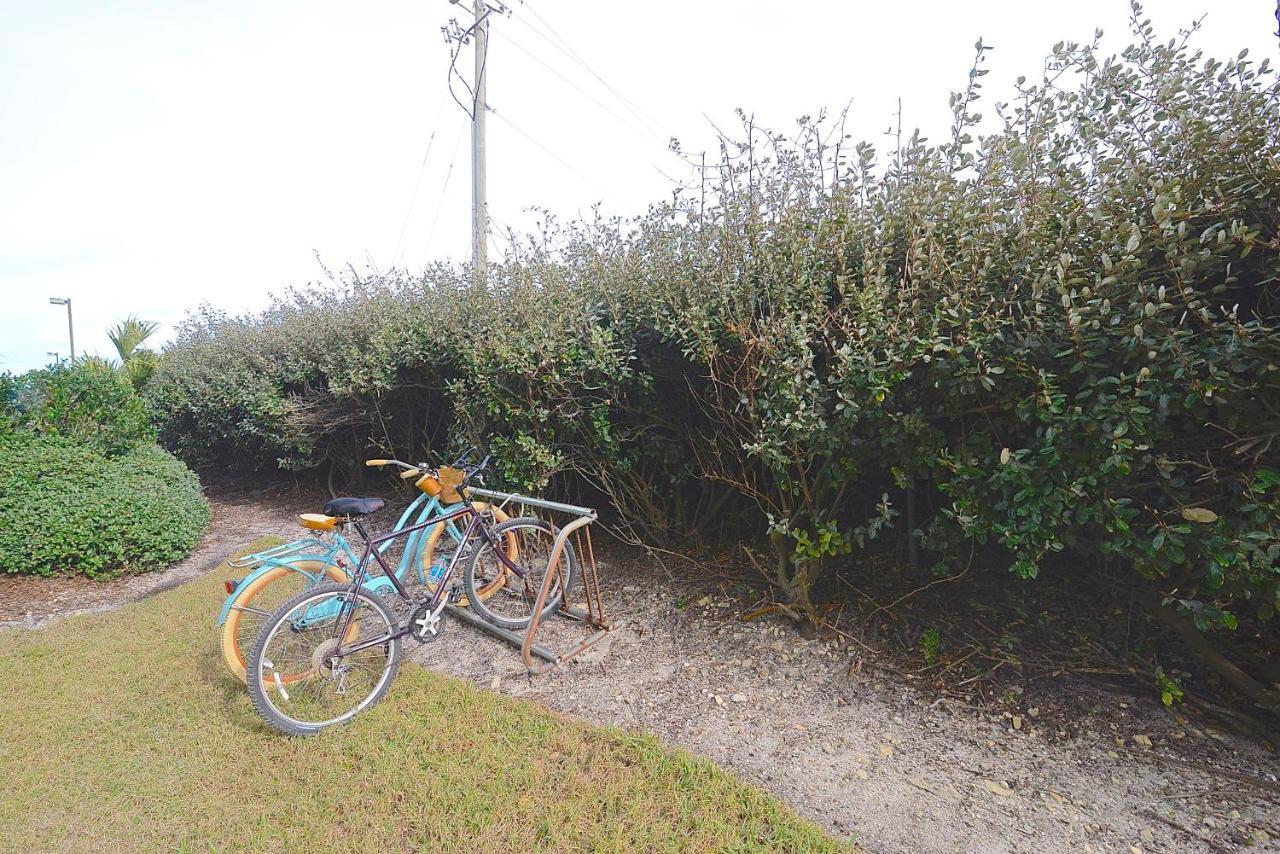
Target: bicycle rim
{"points": [[441, 541], [512, 604], [258, 600], [299, 675]]}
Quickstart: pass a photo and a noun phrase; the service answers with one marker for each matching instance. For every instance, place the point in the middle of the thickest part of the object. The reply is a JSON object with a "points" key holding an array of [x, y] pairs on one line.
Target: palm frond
{"points": [[129, 335]]}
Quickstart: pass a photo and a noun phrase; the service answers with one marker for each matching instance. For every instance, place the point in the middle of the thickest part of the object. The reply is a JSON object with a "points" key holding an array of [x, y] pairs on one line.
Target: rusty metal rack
{"points": [[578, 529]]}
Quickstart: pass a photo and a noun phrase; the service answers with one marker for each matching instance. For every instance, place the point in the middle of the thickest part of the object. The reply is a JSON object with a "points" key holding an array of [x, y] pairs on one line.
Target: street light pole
{"points": [[71, 329]]}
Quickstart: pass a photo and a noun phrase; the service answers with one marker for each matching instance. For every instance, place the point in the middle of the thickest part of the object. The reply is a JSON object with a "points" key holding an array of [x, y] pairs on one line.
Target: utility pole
{"points": [[479, 197], [71, 330]]}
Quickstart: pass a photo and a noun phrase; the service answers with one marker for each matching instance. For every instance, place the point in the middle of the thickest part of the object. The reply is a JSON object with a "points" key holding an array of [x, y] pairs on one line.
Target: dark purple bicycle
{"points": [[333, 650]]}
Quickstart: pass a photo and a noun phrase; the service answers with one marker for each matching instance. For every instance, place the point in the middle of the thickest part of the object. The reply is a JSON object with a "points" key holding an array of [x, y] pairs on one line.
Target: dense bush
{"points": [[1055, 339], [83, 486], [69, 507], [87, 400]]}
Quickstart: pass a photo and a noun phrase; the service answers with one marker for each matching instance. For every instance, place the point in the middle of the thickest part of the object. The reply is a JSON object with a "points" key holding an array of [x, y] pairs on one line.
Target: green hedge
{"points": [[88, 400], [68, 507]]}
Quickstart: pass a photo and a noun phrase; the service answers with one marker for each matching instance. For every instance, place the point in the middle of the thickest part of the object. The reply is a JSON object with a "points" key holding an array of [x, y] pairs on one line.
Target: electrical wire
{"points": [[566, 164], [569, 51], [649, 135], [459, 39], [413, 197], [443, 192], [652, 126]]}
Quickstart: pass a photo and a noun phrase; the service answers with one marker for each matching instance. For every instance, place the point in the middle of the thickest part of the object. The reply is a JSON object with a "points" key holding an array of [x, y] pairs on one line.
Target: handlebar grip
{"points": [[405, 475], [376, 463]]}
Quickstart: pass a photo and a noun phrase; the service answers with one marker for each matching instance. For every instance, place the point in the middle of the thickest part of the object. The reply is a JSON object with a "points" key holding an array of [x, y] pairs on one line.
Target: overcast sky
{"points": [[156, 155]]}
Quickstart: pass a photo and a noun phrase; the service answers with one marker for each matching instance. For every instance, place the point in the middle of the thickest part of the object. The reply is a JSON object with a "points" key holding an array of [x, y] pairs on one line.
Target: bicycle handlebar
{"points": [[477, 468], [470, 470], [381, 463]]}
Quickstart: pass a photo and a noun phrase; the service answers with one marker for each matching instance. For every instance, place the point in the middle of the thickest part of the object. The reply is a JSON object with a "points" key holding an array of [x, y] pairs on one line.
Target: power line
{"points": [[566, 164], [624, 122], [459, 36], [443, 192], [651, 125], [569, 51], [414, 197], [641, 132]]}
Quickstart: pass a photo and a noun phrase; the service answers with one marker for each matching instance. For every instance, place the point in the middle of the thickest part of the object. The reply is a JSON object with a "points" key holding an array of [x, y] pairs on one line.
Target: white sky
{"points": [[156, 155]]}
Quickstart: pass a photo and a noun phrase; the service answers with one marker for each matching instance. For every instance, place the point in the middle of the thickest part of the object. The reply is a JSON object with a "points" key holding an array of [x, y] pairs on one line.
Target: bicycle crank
{"points": [[425, 625]]}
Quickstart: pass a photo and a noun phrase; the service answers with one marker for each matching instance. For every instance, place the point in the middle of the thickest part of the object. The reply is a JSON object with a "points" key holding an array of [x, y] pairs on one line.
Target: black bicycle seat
{"points": [[353, 506]]}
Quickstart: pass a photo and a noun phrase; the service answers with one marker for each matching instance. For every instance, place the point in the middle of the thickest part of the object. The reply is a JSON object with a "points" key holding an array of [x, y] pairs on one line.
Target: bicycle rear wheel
{"points": [[299, 680], [256, 601], [511, 606]]}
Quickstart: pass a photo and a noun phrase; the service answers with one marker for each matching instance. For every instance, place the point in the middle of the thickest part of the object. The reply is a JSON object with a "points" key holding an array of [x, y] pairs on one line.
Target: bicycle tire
{"points": [[237, 638], [428, 554], [260, 687], [520, 594]]}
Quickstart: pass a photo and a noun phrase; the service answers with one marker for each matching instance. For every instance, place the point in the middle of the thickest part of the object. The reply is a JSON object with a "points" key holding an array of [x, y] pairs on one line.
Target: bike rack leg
{"points": [[526, 646]]}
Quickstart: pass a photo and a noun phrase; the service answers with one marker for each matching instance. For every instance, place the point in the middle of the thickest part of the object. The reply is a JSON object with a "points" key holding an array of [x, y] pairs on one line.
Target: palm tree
{"points": [[136, 362]]}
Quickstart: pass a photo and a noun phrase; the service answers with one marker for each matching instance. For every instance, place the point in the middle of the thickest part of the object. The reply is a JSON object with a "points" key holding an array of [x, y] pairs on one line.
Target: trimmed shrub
{"points": [[68, 507], [87, 400]]}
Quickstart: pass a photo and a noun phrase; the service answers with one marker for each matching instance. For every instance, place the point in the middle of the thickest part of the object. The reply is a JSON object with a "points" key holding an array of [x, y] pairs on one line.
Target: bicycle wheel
{"points": [[258, 599], [511, 606], [441, 540], [297, 683]]}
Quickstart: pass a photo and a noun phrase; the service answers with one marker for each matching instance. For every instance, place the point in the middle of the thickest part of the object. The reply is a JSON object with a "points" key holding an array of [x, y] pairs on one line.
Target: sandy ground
{"points": [[857, 748], [844, 737]]}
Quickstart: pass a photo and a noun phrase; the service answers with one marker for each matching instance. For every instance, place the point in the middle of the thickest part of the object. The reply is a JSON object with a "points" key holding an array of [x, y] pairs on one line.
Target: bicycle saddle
{"points": [[353, 506]]}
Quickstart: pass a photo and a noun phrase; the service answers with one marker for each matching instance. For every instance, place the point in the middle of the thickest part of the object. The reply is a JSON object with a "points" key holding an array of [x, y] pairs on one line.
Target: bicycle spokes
{"points": [[308, 674]]}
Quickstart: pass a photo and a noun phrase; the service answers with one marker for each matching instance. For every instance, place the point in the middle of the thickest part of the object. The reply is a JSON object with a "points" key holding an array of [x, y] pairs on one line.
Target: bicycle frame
{"points": [[436, 602]]}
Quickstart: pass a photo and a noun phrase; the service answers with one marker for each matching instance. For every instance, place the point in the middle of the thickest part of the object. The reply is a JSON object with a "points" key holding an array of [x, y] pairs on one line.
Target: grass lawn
{"points": [[122, 731]]}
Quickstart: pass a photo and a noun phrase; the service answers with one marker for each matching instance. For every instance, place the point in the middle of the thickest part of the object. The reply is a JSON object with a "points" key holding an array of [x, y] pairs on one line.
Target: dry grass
{"points": [[121, 731]]}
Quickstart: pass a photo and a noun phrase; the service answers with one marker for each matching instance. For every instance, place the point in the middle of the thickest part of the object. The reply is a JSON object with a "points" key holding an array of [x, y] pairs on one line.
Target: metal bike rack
{"points": [[592, 615]]}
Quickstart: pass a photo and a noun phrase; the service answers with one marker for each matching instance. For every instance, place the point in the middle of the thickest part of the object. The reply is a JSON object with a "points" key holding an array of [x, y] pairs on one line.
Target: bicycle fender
{"points": [[267, 567]]}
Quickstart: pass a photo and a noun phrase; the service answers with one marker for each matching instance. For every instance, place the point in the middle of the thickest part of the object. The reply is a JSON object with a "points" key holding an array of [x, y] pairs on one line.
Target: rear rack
{"points": [[280, 552]]}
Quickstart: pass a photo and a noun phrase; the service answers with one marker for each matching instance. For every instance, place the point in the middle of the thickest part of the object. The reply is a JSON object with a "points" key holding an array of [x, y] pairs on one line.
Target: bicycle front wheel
{"points": [[301, 678], [511, 605]]}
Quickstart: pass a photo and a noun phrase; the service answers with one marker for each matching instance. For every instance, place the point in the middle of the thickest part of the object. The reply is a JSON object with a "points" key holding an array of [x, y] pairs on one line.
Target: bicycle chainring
{"points": [[425, 627]]}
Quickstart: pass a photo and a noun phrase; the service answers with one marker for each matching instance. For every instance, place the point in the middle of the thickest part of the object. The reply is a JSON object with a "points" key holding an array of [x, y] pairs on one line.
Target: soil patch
{"points": [[850, 740]]}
